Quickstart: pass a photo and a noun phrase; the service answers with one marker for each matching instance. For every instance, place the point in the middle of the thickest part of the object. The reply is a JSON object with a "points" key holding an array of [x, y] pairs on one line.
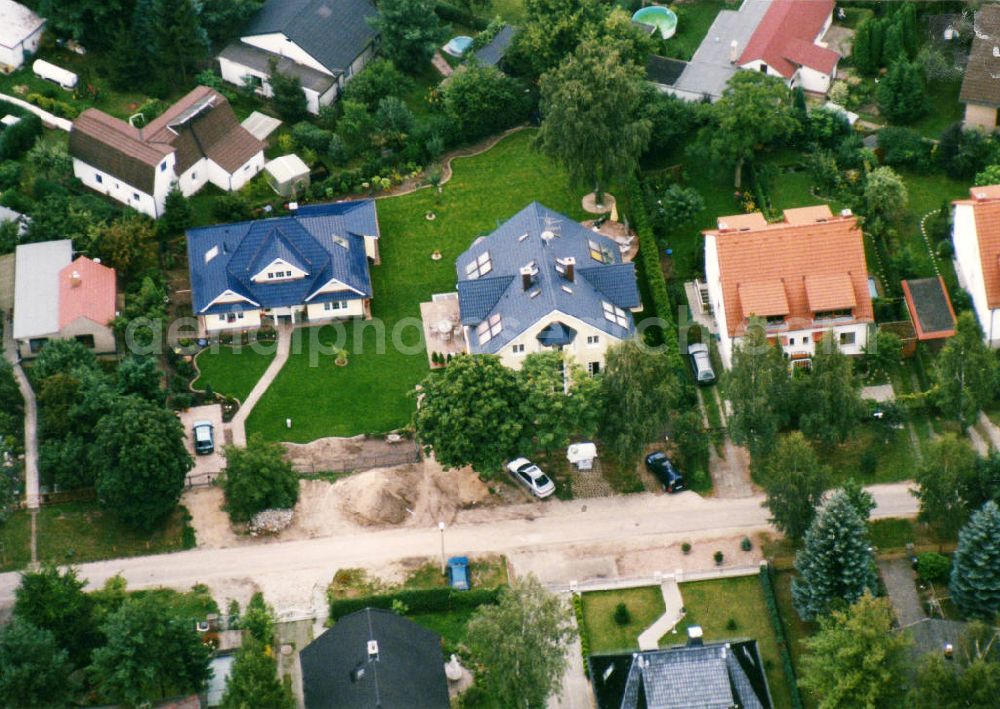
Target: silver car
{"points": [[529, 475], [702, 363]]}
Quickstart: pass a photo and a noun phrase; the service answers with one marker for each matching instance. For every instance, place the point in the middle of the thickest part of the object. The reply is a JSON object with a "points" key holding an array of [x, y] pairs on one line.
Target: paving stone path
{"points": [[900, 583]]}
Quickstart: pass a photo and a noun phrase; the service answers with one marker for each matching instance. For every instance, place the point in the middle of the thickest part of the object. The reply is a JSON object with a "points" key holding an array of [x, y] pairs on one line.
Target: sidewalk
{"points": [[238, 425], [31, 485]]}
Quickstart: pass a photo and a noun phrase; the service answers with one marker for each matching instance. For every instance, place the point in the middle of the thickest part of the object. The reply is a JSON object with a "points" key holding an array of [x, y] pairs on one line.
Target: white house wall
{"points": [[355, 309], [278, 43], [814, 81], [218, 323], [970, 264], [14, 56], [714, 281], [116, 189], [579, 350]]}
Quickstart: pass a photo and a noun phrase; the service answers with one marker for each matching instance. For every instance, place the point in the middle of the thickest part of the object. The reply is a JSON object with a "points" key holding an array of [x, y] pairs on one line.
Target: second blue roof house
{"points": [[310, 266], [542, 281]]}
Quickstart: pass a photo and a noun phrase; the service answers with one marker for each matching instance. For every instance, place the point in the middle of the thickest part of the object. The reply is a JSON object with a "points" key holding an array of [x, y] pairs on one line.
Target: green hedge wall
{"points": [[767, 584], [429, 600]]}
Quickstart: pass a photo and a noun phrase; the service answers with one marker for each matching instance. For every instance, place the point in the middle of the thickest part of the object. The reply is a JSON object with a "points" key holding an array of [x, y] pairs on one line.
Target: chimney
{"points": [[694, 636], [570, 263], [734, 54], [74, 279], [527, 277]]}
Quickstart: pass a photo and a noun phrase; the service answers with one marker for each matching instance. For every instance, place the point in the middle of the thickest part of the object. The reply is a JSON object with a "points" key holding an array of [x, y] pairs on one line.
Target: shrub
{"points": [[746, 544], [933, 567], [868, 463], [718, 556], [258, 478], [622, 616], [582, 629], [731, 624], [18, 139], [309, 136], [10, 175], [459, 16], [686, 548], [904, 147]]}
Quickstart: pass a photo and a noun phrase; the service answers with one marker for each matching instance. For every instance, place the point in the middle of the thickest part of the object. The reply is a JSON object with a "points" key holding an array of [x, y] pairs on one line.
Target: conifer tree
{"points": [[836, 562], [975, 572]]}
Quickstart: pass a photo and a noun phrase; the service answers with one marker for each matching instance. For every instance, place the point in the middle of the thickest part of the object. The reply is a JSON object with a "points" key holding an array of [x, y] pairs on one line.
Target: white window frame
{"points": [[593, 340], [517, 349], [489, 328]]}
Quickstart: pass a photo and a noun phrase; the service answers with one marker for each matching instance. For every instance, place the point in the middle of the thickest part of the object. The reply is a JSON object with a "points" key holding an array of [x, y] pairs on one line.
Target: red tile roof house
{"points": [[57, 297], [976, 235], [786, 43], [196, 141], [806, 276]]}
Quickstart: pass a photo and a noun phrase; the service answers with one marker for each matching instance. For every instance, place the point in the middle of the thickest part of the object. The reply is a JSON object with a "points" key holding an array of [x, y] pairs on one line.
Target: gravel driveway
{"points": [[205, 467]]}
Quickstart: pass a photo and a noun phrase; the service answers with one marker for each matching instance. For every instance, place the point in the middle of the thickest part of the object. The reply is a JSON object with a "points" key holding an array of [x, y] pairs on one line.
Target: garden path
{"points": [[31, 484], [902, 589], [649, 639], [48, 119], [238, 426]]}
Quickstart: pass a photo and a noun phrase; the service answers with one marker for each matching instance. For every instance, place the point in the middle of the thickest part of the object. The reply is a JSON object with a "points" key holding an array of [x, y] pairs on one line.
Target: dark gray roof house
{"points": [[494, 52], [374, 658], [981, 84], [710, 676]]}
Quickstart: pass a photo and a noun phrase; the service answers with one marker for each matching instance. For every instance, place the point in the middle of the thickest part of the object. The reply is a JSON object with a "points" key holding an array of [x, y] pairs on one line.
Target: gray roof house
{"points": [[322, 42], [542, 281], [495, 50], [374, 658], [710, 676]]}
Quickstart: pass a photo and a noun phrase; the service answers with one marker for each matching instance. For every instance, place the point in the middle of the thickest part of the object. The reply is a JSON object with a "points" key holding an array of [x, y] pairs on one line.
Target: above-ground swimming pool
{"points": [[457, 46], [662, 18]]}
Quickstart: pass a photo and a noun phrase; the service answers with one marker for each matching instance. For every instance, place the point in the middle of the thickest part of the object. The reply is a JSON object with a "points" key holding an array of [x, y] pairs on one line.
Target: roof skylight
{"points": [[489, 328], [480, 267], [614, 314]]}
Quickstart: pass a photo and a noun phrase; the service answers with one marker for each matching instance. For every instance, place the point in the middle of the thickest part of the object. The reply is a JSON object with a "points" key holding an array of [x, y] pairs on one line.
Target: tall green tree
{"points": [[901, 93], [258, 619], [223, 20], [140, 462], [975, 570], [152, 652], [139, 375], [471, 414], [34, 670], [411, 32], [593, 119], [563, 401], [755, 110], [945, 473], [863, 53], [520, 644], [834, 395], [552, 30], [253, 681], [287, 94], [640, 390], [965, 372], [482, 100], [89, 21], [861, 500], [257, 478], [940, 685], [757, 387], [55, 601], [128, 244], [856, 660], [794, 481], [886, 196], [179, 42], [835, 563]]}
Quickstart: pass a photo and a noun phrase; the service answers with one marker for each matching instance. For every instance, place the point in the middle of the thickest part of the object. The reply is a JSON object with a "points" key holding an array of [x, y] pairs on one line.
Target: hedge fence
{"points": [[430, 600], [773, 612]]}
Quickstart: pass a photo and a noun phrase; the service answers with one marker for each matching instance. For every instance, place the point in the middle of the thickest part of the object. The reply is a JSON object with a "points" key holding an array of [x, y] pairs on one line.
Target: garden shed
{"points": [[287, 175]]}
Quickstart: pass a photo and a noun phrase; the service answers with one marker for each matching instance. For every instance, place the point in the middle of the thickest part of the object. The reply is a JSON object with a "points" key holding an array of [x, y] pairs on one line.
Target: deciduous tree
{"points": [[856, 660], [834, 395], [253, 680], [379, 79], [520, 644], [949, 465], [794, 481], [559, 410], [593, 120], [257, 478], [482, 100], [128, 244], [34, 670], [835, 563], [886, 196], [965, 372], [54, 601], [410, 30], [552, 29], [757, 387], [975, 571]]}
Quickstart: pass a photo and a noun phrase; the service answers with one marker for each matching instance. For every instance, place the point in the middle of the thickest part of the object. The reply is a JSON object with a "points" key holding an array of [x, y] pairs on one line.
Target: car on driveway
{"points": [[665, 472], [458, 573], [702, 363], [529, 475], [204, 437]]}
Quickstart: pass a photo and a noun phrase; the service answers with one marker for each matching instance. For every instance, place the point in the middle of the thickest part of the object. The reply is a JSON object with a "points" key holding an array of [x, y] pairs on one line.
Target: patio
{"points": [[627, 242], [443, 331]]}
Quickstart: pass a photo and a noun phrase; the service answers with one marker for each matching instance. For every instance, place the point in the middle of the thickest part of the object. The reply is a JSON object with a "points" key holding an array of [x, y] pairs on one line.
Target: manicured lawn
{"points": [[693, 20], [645, 605], [896, 459], [796, 630], [450, 625], [944, 108], [713, 604], [233, 371], [76, 532], [372, 393], [510, 10]]}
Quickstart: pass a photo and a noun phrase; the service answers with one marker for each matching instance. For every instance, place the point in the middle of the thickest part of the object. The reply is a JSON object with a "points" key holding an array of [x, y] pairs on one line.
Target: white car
{"points": [[529, 474], [701, 363]]}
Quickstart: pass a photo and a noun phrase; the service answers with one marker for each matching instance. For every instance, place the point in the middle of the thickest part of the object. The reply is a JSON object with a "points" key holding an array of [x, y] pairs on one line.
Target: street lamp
{"points": [[441, 528]]}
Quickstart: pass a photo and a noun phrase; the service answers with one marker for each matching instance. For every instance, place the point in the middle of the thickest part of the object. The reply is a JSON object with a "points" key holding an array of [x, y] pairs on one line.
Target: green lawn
{"points": [[76, 532], [896, 457], [712, 604], [645, 605], [232, 371], [693, 20], [510, 10], [796, 630], [944, 108], [450, 625], [372, 393]]}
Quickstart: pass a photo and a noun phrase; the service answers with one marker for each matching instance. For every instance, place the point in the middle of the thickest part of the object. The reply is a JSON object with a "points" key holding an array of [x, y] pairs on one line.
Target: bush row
{"points": [[767, 586], [582, 629], [53, 106], [430, 600], [458, 15]]}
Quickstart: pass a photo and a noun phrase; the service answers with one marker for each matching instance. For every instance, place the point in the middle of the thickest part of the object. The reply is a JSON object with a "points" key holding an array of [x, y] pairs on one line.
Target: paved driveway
{"points": [[205, 467]]}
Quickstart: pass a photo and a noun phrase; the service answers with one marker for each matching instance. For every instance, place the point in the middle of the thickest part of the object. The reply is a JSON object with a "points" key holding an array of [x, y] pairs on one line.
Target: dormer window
{"points": [[479, 267], [774, 320], [832, 314]]}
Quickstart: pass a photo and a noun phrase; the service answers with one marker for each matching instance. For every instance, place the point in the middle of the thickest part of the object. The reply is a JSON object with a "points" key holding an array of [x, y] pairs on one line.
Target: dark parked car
{"points": [[458, 573], [204, 438], [668, 475]]}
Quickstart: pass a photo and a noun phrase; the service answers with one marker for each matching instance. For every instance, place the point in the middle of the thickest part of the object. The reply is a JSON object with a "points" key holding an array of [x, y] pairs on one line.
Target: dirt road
{"points": [[293, 573]]}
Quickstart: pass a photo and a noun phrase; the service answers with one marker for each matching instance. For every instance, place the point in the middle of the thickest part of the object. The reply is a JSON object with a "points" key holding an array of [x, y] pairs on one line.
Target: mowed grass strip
{"points": [[233, 371], [645, 605]]}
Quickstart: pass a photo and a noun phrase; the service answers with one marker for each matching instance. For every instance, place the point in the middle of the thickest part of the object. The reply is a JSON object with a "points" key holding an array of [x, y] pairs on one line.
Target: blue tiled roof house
{"points": [[542, 281], [310, 266]]}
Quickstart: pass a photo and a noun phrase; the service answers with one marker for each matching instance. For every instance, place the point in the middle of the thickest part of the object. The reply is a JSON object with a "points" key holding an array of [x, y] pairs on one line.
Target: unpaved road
{"points": [[294, 573]]}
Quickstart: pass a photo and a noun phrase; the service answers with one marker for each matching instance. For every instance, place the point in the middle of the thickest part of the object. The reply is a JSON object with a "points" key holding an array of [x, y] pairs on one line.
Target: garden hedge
{"points": [[453, 13], [430, 600], [581, 628], [767, 585]]}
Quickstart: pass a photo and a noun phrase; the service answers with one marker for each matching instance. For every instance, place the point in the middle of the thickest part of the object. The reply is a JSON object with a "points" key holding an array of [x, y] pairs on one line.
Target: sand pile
{"points": [[380, 496]]}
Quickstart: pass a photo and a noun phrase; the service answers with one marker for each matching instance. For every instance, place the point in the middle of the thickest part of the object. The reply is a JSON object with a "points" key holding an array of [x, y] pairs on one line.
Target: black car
{"points": [[660, 466]]}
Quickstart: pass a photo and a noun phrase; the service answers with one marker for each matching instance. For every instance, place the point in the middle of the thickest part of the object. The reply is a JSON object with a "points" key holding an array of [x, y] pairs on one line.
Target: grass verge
{"points": [[232, 371], [645, 605]]}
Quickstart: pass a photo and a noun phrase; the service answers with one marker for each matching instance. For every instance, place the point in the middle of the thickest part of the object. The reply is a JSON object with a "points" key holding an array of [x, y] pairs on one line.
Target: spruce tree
{"points": [[975, 571], [862, 52], [894, 49], [836, 562], [901, 93]]}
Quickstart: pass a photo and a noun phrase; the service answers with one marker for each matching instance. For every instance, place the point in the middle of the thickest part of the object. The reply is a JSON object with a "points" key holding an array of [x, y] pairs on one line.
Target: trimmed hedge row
{"points": [[430, 600], [453, 13], [767, 585], [582, 630]]}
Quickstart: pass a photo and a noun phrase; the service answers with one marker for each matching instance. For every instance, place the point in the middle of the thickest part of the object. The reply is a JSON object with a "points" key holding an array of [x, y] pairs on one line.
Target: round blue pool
{"points": [[662, 18], [457, 46]]}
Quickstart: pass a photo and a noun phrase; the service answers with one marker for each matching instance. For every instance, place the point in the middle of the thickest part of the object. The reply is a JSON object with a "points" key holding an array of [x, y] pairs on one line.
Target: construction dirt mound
{"points": [[380, 496]]}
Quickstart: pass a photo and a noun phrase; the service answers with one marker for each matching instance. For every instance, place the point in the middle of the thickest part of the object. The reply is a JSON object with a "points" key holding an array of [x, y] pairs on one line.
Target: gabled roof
{"points": [[494, 51], [981, 83], [17, 23], [985, 204], [36, 287], [786, 38], [930, 308], [712, 676], [201, 124], [86, 290], [519, 243], [333, 32], [810, 266], [324, 240], [339, 670]]}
